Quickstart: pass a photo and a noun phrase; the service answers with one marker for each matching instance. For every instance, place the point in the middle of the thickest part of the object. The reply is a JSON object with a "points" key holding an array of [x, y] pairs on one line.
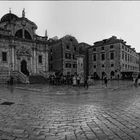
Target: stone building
{"points": [[62, 55], [112, 57], [22, 52], [83, 51]]}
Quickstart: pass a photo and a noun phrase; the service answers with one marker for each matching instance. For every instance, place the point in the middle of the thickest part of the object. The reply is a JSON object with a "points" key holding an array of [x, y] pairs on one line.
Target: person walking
{"points": [[105, 81]]}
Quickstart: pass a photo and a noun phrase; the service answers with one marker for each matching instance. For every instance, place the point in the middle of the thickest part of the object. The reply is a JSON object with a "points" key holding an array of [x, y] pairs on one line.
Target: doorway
{"points": [[24, 69]]}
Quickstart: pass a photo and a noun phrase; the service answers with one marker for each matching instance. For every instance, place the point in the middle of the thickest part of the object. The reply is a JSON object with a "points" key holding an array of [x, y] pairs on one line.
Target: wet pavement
{"points": [[43, 112]]}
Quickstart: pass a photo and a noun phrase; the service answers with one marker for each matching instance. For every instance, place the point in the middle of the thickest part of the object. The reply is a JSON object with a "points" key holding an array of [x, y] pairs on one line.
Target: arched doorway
{"points": [[103, 74], [112, 74], [95, 76], [24, 69]]}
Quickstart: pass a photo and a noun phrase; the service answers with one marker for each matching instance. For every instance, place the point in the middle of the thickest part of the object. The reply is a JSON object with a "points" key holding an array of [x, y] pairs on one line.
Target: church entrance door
{"points": [[24, 69]]}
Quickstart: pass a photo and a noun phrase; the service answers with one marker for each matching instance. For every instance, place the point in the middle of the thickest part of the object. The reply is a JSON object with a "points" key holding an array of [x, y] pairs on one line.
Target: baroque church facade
{"points": [[22, 52]]}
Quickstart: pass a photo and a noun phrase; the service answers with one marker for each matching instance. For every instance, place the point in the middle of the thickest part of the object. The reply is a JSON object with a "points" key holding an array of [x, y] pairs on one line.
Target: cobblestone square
{"points": [[44, 112]]}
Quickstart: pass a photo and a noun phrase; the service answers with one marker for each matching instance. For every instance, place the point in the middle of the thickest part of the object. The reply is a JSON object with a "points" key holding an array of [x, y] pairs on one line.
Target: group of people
{"points": [[136, 81], [75, 80], [60, 79]]}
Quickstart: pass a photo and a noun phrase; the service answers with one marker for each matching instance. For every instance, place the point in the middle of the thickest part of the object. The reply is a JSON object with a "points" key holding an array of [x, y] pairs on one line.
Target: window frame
{"points": [[40, 57], [112, 58], [6, 59]]}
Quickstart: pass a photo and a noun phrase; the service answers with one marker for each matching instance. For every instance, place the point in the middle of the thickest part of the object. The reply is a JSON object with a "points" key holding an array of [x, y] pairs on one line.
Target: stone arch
{"points": [[19, 33], [95, 75], [23, 67], [27, 35]]}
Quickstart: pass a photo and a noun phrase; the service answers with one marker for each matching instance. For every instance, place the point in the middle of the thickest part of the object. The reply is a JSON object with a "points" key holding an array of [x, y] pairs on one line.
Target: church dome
{"points": [[9, 17]]}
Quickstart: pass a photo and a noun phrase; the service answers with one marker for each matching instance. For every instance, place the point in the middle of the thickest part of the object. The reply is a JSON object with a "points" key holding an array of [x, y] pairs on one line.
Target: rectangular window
{"points": [[40, 59], [112, 65], [67, 47], [67, 55], [123, 55], [125, 48], [94, 57], [111, 47], [51, 66], [125, 66], [94, 49], [51, 50], [111, 55], [102, 56], [51, 58], [74, 65], [68, 65], [128, 58], [4, 56], [102, 48], [74, 56]]}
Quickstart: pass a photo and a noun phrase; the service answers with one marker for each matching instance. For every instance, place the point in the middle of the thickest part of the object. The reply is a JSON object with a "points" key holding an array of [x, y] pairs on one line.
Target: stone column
{"points": [[34, 60], [46, 59], [12, 57]]}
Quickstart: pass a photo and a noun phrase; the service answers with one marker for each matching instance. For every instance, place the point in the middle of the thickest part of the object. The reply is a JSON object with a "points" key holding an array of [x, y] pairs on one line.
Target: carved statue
{"points": [[23, 51], [23, 12]]}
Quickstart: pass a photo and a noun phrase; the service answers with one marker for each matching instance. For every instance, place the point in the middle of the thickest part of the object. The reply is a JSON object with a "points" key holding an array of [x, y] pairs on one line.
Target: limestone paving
{"points": [[43, 112]]}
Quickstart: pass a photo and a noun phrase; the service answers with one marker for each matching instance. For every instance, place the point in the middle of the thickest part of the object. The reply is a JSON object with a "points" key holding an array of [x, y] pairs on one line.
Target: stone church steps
{"points": [[37, 79], [4, 76]]}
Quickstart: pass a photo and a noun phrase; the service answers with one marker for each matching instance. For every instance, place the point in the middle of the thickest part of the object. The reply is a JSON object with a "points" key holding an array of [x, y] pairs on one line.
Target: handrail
{"points": [[23, 78]]}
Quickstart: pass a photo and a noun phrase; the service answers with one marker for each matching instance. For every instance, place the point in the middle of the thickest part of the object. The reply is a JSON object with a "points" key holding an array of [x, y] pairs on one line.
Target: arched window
{"points": [[19, 34], [27, 35]]}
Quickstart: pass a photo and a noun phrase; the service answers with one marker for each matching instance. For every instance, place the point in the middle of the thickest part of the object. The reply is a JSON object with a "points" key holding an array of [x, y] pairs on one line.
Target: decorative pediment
{"points": [[23, 51]]}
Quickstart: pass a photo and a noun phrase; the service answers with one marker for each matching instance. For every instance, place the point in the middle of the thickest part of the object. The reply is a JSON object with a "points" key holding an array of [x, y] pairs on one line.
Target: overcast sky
{"points": [[88, 21]]}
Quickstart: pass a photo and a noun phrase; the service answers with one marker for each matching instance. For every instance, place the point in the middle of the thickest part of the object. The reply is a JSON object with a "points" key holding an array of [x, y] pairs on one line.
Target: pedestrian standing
{"points": [[105, 81], [74, 80], [78, 80], [86, 83], [136, 82]]}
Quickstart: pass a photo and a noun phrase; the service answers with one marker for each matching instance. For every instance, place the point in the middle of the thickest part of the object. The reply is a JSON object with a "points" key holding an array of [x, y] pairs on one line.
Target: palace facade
{"points": [[114, 58], [22, 52], [63, 55]]}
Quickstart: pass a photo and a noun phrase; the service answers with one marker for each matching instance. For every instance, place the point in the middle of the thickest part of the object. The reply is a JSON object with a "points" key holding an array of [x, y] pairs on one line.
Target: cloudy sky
{"points": [[88, 21]]}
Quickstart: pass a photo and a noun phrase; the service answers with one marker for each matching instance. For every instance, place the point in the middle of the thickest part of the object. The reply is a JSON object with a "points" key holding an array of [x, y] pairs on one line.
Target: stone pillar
{"points": [[46, 59], [12, 57], [34, 60], [23, 31], [31, 63]]}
